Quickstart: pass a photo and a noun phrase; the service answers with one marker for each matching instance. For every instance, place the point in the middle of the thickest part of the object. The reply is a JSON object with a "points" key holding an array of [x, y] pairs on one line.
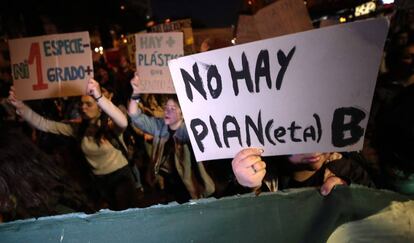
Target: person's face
{"points": [[312, 161], [172, 114], [103, 74], [204, 46], [408, 61], [402, 39], [89, 108], [408, 57], [123, 62]]}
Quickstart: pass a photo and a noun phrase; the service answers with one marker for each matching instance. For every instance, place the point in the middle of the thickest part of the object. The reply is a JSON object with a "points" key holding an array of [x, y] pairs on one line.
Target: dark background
{"points": [[27, 18]]}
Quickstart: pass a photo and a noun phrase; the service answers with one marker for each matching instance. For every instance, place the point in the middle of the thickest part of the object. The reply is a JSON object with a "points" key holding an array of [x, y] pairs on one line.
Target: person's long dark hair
{"points": [[102, 131]]}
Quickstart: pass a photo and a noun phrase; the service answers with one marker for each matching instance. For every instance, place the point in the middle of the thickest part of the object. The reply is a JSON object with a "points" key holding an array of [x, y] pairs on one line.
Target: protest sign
{"points": [[279, 18], [299, 93], [131, 48], [51, 66], [183, 25], [153, 51]]}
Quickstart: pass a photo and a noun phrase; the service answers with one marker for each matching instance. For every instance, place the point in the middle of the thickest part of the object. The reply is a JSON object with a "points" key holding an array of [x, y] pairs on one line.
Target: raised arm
{"points": [[106, 105], [140, 120], [133, 108], [38, 121]]}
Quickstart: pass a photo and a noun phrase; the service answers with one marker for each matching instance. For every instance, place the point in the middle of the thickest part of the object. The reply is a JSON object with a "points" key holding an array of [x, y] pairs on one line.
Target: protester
{"points": [[131, 145], [172, 159], [104, 75], [100, 137], [324, 170], [122, 88], [395, 130], [213, 43]]}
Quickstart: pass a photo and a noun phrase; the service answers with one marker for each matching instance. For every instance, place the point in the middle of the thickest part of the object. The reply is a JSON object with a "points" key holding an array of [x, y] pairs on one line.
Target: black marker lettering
{"points": [[231, 133], [284, 62], [269, 126], [258, 130], [319, 126], [196, 82], [243, 74], [215, 132], [309, 132], [339, 127], [278, 133], [213, 73], [292, 130], [199, 136], [262, 70]]}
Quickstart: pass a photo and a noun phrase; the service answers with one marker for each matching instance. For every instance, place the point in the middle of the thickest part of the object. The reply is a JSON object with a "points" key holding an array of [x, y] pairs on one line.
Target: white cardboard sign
{"points": [[153, 51], [51, 65], [299, 93]]}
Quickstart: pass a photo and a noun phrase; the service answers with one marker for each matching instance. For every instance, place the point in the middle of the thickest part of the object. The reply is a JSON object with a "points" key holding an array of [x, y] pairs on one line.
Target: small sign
{"points": [[51, 65], [153, 51]]}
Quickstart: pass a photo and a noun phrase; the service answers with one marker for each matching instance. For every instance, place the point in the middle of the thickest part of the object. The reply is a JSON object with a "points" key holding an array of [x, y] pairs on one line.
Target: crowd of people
{"points": [[116, 148]]}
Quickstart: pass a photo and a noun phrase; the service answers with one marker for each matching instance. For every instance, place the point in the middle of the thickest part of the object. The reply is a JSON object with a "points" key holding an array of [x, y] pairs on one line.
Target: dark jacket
{"points": [[279, 174], [194, 176], [347, 169]]}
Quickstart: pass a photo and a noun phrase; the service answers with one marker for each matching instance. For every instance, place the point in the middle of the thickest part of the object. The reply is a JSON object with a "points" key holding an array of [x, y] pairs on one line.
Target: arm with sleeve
{"points": [[44, 124], [146, 123]]}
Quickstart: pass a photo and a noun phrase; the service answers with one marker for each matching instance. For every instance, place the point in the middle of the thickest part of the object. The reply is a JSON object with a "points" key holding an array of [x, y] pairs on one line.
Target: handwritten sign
{"points": [[153, 51], [51, 66], [279, 18], [298, 93], [183, 25], [131, 48]]}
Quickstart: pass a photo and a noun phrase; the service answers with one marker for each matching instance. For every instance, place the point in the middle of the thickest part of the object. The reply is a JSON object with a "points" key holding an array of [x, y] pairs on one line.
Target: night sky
{"points": [[212, 13], [79, 15]]}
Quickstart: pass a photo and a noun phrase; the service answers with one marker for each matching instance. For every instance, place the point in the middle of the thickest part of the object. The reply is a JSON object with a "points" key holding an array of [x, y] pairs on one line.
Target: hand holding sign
{"points": [[153, 51], [135, 84], [135, 98], [13, 99], [51, 65], [93, 89], [249, 168]]}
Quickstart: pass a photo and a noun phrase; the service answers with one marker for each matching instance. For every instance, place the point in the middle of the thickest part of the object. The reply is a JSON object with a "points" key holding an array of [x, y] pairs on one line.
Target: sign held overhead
{"points": [[299, 93], [153, 51], [51, 65]]}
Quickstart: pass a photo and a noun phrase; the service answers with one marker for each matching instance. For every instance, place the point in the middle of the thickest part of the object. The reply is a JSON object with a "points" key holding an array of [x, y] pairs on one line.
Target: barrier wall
{"points": [[300, 215]]}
